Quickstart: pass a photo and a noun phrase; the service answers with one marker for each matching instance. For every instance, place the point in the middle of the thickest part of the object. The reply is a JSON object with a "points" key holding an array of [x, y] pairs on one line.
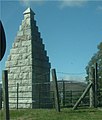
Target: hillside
{"points": [[70, 85]]}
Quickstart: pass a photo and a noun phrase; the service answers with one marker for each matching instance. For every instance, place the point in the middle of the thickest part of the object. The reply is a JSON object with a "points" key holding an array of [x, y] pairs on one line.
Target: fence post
{"points": [[92, 80], [63, 93], [39, 96], [96, 84], [56, 94], [1, 98], [71, 100], [17, 94], [5, 94]]}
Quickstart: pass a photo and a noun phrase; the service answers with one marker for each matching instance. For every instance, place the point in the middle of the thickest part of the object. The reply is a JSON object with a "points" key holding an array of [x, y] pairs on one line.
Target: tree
{"points": [[96, 58]]}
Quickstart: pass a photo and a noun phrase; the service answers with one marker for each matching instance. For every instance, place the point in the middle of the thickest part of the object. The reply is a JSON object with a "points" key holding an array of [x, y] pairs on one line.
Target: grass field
{"points": [[51, 114]]}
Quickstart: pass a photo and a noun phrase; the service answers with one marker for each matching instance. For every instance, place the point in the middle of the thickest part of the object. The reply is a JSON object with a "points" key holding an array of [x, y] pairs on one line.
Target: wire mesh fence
{"points": [[69, 95], [41, 95], [100, 98], [21, 99], [36, 95]]}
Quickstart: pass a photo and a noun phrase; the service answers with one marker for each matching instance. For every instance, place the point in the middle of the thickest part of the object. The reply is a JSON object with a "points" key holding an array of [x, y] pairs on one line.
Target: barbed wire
{"points": [[65, 73], [83, 73]]}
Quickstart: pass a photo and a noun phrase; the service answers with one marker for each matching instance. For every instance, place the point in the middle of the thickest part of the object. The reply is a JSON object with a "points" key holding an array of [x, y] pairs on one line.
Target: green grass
{"points": [[51, 114]]}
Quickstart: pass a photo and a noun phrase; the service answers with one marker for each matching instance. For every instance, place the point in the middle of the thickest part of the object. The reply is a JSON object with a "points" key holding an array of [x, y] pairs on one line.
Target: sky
{"points": [[71, 31]]}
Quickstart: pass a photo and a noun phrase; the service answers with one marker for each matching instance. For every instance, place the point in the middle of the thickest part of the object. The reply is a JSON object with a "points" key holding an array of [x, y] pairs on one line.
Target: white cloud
{"points": [[28, 3], [74, 78], [72, 3]]}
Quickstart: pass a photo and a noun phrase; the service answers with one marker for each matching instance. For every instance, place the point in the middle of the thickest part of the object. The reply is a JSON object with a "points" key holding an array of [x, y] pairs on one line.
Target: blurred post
{"points": [[63, 93], [0, 98], [17, 93], [5, 94], [92, 80], [96, 84], [56, 94]]}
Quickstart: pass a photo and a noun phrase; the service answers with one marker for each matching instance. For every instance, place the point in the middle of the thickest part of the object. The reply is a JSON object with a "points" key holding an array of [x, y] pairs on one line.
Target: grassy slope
{"points": [[65, 114]]}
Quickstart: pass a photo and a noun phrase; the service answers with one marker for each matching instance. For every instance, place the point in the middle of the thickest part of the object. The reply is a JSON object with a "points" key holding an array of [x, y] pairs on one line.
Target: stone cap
{"points": [[28, 11]]}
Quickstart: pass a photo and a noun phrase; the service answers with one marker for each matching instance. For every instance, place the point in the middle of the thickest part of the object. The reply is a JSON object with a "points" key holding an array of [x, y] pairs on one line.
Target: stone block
{"points": [[20, 38], [10, 76], [25, 55], [28, 23], [7, 64], [15, 62], [30, 75], [25, 88], [20, 75], [20, 95], [16, 57], [25, 76], [11, 82], [15, 70], [21, 63], [29, 49], [16, 76], [14, 51], [26, 69], [13, 88], [13, 100], [27, 82], [12, 105], [9, 57], [12, 95], [20, 33], [23, 50], [29, 37], [27, 31], [27, 94], [25, 101], [25, 105], [26, 43], [19, 81], [16, 44]]}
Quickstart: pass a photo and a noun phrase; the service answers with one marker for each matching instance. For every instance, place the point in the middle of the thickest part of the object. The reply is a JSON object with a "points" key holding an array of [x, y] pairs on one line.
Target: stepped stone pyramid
{"points": [[28, 65]]}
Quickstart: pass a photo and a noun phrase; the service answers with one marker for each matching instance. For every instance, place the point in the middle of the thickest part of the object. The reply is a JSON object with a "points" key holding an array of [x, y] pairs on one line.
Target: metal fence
{"points": [[100, 98], [36, 95], [42, 96], [68, 94]]}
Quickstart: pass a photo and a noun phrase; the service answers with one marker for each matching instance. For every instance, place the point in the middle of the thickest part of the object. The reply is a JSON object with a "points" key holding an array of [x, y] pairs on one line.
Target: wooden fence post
{"points": [[92, 80], [17, 94], [56, 94], [96, 85], [1, 98], [63, 93], [5, 94], [71, 96]]}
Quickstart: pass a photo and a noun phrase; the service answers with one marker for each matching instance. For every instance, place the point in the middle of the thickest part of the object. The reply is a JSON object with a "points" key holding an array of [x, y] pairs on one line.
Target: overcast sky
{"points": [[71, 31]]}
